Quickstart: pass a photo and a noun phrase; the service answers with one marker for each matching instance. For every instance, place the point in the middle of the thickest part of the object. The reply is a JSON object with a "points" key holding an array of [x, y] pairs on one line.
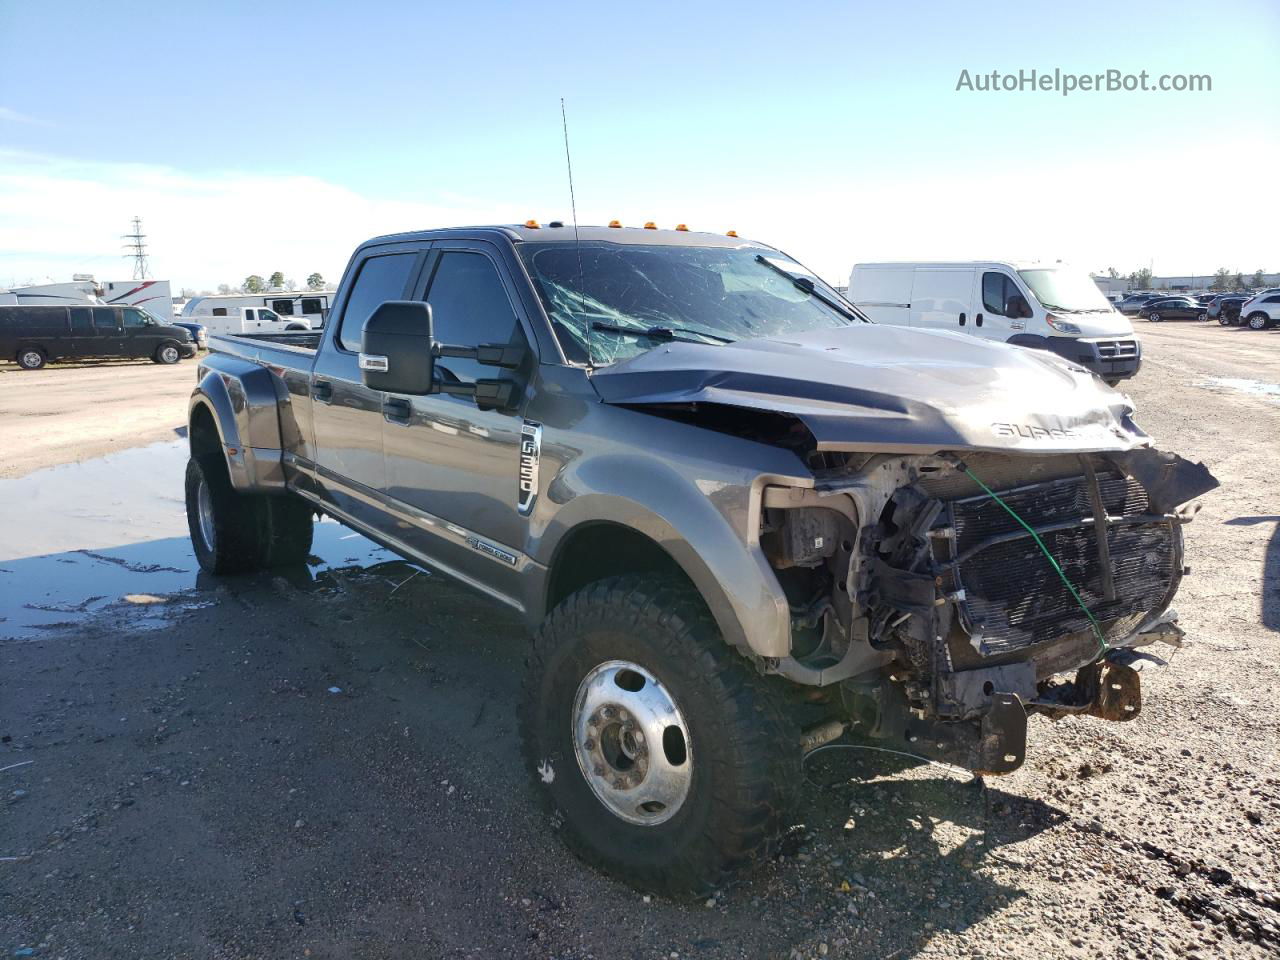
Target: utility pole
{"points": [[136, 249]]}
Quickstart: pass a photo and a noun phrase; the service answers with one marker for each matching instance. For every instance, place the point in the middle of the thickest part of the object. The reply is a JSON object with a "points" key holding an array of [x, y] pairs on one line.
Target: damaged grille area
{"points": [[1013, 598]]}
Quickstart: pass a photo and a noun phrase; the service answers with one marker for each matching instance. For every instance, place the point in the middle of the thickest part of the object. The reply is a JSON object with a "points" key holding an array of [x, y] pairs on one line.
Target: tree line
{"points": [[255, 284], [1223, 279]]}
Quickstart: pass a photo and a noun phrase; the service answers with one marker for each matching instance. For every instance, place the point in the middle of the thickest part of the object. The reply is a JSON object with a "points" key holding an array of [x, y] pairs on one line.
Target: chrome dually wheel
{"points": [[632, 743]]}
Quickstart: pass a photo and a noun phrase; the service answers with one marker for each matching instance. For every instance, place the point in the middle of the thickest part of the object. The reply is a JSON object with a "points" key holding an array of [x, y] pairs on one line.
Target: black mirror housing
{"points": [[396, 351]]}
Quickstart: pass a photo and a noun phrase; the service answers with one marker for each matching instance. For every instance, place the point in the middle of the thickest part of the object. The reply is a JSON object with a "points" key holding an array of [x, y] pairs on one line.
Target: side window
{"points": [[1275, 299], [995, 290], [104, 318], [81, 319], [310, 305], [219, 311], [380, 279], [469, 306], [134, 318], [266, 316], [283, 307]]}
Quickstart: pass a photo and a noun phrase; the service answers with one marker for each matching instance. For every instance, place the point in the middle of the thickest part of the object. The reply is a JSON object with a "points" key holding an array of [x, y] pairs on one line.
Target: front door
{"points": [[346, 415], [140, 339], [448, 460], [995, 287]]}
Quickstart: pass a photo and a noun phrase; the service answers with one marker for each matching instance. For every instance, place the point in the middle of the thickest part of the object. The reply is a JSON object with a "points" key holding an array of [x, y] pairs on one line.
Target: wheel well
{"points": [[203, 432], [599, 550]]}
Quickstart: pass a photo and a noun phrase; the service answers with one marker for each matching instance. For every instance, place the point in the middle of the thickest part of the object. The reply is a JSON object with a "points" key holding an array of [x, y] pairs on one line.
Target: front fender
{"points": [[707, 526], [242, 399]]}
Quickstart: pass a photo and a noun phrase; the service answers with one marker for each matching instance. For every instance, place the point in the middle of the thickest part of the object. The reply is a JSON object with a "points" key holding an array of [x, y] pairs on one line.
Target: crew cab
{"points": [[740, 520]]}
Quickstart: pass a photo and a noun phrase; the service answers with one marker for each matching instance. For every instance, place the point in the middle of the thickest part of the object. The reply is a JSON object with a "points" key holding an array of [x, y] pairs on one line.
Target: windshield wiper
{"points": [[807, 285], [660, 333]]}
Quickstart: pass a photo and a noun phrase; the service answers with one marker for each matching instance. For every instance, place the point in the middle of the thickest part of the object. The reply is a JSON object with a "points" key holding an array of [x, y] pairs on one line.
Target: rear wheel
{"points": [[30, 358], [167, 353], [236, 532], [1224, 320], [1202, 316], [1259, 321], [1154, 317], [668, 762]]}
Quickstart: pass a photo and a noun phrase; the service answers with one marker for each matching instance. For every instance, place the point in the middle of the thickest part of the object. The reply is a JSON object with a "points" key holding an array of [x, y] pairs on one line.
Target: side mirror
{"points": [[396, 351], [1016, 307]]}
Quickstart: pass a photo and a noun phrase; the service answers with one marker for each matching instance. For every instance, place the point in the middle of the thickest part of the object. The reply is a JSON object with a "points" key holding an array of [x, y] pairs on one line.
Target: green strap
{"points": [[1102, 643]]}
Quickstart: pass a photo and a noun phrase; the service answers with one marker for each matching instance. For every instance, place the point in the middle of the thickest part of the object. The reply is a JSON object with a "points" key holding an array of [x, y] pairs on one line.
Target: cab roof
{"points": [[556, 231]]}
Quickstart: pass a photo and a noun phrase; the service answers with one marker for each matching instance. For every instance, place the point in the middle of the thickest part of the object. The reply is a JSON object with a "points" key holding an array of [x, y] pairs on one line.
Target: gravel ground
{"points": [[327, 766]]}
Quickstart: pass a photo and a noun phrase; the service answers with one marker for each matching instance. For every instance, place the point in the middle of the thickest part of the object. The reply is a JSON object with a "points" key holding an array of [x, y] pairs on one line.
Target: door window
{"points": [[104, 318], [266, 316], [134, 318], [81, 319], [469, 306], [996, 289], [380, 279]]}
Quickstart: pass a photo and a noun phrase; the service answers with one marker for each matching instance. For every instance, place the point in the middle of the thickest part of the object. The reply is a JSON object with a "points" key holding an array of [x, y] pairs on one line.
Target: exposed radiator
{"points": [[1013, 598]]}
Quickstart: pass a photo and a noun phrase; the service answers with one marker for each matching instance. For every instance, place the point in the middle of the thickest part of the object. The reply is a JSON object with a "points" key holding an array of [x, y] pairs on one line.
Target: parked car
{"points": [[199, 333], [1205, 298], [1173, 308], [1131, 304], [1226, 309], [723, 502], [1044, 306], [1261, 311], [33, 336]]}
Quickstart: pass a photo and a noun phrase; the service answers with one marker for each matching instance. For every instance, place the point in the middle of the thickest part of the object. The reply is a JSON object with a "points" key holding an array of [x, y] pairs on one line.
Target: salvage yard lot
{"points": [[326, 765]]}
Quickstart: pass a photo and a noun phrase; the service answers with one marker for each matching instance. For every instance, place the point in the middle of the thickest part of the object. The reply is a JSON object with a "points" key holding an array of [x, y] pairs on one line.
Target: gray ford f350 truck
{"points": [[741, 520]]}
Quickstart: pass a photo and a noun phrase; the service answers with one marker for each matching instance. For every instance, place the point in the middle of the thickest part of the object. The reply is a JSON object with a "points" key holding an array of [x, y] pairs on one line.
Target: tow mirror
{"points": [[1016, 307], [396, 354]]}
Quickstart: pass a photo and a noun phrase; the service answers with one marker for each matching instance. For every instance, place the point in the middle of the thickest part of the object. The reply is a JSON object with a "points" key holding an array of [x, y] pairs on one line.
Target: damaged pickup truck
{"points": [[741, 520]]}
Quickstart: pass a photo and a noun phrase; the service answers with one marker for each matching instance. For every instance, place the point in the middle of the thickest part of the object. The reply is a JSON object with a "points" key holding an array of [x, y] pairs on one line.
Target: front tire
{"points": [[239, 533], [167, 354], [30, 358], [1259, 321], [669, 763], [1154, 317]]}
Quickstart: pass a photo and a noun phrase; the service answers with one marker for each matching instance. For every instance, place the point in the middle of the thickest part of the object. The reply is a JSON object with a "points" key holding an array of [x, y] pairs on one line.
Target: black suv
{"points": [[33, 336]]}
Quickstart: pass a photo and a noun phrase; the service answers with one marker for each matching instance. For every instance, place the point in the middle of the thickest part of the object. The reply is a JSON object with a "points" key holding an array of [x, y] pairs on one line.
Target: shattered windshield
{"points": [[631, 298]]}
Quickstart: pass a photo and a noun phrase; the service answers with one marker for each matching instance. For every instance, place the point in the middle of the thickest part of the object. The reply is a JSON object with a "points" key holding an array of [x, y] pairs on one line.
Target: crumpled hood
{"points": [[869, 387]]}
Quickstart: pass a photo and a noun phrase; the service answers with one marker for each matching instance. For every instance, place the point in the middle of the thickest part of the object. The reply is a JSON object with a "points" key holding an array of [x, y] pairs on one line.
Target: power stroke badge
{"points": [[530, 452]]}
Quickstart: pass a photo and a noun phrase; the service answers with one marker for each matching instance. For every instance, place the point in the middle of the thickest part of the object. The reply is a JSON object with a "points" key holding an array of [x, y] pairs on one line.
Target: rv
{"points": [[1045, 306], [153, 296], [301, 310]]}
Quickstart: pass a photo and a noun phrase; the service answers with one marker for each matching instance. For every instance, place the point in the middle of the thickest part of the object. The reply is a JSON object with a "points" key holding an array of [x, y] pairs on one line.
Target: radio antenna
{"points": [[577, 244]]}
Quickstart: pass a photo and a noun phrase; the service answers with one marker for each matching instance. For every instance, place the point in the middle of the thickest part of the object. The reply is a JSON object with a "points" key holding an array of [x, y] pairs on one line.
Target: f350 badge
{"points": [[530, 452]]}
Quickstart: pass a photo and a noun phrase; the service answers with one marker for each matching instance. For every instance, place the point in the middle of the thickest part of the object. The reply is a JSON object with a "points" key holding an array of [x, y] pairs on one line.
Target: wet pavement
{"points": [[1253, 388], [113, 532]]}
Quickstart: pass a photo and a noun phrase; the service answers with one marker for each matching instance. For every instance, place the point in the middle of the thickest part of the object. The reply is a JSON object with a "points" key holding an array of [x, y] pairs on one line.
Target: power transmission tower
{"points": [[136, 249]]}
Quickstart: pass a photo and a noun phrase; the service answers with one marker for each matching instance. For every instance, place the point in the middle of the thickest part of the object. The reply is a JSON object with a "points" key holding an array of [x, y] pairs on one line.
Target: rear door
{"points": [[107, 333], [941, 298], [83, 337], [347, 415], [448, 460]]}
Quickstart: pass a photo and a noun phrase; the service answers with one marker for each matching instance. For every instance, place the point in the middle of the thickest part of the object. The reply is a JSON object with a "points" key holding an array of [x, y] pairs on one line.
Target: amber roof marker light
{"points": [[682, 227], [731, 233], [532, 224], [650, 225], [616, 224]]}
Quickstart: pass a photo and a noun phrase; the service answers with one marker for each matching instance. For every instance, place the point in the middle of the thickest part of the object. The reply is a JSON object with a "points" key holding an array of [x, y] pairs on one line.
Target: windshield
{"points": [[1067, 291], [626, 292]]}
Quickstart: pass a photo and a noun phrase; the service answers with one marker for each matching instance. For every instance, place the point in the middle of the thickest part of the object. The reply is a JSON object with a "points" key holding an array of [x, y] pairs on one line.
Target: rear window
{"points": [[81, 319], [104, 318], [36, 318], [380, 279]]}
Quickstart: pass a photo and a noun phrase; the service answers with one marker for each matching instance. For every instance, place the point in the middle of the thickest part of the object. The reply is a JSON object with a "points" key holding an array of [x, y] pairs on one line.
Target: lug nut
{"points": [[589, 743], [598, 770]]}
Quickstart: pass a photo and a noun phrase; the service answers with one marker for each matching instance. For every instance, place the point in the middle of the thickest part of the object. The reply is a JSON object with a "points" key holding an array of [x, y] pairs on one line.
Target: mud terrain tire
{"points": [[743, 754], [239, 533]]}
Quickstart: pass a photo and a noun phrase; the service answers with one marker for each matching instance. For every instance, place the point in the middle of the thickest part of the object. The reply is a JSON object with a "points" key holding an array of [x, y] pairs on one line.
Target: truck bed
{"points": [[251, 345]]}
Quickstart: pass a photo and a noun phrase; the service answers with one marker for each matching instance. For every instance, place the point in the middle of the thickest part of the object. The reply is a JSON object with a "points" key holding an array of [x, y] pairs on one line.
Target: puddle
{"points": [[80, 537], [1253, 388]]}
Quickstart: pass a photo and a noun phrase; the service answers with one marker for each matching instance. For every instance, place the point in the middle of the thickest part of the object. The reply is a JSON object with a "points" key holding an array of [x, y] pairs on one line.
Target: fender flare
{"points": [[243, 406], [697, 529]]}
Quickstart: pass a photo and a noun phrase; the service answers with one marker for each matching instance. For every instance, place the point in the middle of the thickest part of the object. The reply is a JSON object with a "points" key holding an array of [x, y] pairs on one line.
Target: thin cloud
{"points": [[13, 116]]}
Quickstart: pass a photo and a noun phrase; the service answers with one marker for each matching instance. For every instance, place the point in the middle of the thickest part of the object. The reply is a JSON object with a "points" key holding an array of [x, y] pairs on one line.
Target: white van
{"points": [[1048, 306]]}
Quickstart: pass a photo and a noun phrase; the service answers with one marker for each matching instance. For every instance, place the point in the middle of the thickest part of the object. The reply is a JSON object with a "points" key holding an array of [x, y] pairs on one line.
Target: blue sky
{"points": [[248, 135]]}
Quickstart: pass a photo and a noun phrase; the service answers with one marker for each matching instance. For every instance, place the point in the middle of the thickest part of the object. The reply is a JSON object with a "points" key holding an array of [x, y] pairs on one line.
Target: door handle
{"points": [[978, 319], [322, 390], [396, 408], [962, 319]]}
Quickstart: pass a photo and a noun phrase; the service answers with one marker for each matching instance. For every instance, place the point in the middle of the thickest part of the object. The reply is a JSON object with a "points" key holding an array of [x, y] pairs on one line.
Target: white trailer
{"points": [[152, 296]]}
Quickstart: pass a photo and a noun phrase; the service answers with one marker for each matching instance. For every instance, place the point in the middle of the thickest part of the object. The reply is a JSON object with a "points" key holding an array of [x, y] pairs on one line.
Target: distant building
{"points": [[1184, 284]]}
